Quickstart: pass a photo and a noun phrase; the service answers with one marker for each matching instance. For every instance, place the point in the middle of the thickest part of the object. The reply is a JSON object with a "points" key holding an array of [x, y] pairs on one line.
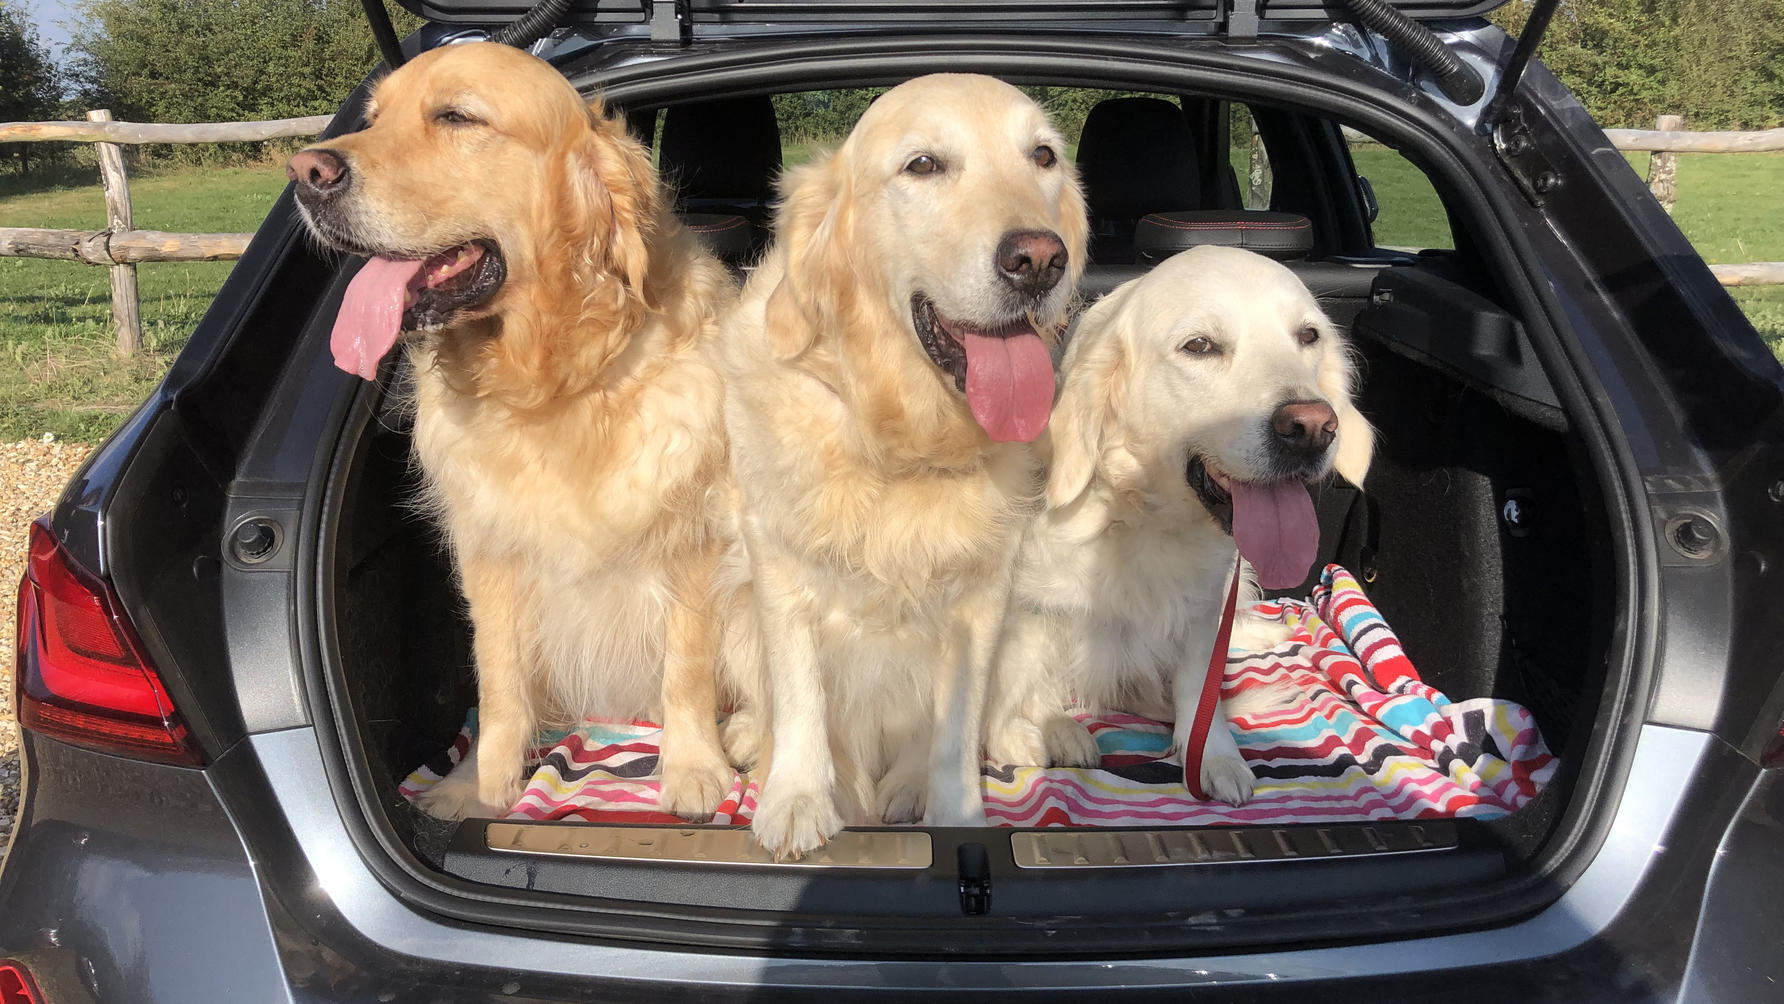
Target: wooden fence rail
{"points": [[121, 247], [1673, 140], [127, 247], [161, 132]]}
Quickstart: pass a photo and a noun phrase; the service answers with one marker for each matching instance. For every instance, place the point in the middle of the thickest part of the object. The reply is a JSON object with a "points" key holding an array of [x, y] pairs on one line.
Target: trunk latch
{"points": [[975, 879]]}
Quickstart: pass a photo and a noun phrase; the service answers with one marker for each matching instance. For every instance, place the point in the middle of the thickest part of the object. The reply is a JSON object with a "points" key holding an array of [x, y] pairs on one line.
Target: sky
{"points": [[47, 14]]}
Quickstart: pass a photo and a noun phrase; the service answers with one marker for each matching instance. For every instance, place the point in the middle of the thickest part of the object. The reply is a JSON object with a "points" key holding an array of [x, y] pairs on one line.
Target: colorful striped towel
{"points": [[1364, 738]]}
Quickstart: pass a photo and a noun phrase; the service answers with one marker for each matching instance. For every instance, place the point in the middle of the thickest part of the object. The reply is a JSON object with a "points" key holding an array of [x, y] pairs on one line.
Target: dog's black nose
{"points": [[1305, 426], [1031, 261], [317, 170]]}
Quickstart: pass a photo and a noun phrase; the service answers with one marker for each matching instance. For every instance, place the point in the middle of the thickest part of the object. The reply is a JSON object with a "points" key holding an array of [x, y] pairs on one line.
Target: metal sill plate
{"points": [[1221, 845], [703, 846]]}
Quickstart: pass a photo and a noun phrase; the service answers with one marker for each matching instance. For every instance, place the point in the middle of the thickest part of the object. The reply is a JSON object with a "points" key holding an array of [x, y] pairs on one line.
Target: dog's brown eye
{"points": [[923, 164], [1044, 156], [452, 116], [1199, 346], [1308, 335]]}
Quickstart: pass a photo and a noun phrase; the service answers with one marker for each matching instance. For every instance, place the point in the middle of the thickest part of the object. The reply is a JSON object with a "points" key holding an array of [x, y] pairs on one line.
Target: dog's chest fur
{"points": [[881, 546], [598, 506], [1126, 589], [584, 486]]}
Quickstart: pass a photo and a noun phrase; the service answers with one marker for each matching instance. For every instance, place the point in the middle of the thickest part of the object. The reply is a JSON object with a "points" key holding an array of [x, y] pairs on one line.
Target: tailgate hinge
{"points": [[1517, 151], [1241, 20], [671, 21]]}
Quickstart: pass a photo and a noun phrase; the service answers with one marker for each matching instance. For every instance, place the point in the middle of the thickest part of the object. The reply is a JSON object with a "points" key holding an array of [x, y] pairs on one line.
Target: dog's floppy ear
{"points": [[592, 228], [1074, 223], [1356, 437], [821, 282], [1091, 378], [610, 194]]}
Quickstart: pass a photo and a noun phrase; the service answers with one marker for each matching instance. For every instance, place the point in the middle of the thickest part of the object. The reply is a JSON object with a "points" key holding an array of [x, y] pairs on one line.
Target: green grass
{"points": [[58, 373], [1743, 221], [1411, 213]]}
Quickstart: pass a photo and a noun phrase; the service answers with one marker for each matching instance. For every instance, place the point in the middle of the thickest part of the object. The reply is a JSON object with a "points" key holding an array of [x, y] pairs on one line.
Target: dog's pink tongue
{"points": [[1276, 530], [371, 315], [1009, 384]]}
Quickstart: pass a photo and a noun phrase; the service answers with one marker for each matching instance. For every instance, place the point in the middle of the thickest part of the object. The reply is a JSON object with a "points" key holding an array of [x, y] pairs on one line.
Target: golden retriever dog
{"points": [[887, 365], [1197, 401], [568, 410]]}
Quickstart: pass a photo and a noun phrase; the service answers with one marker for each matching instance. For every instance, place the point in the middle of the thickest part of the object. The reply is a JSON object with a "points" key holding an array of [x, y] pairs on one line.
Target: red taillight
{"points": [[16, 986], [83, 677], [1774, 752]]}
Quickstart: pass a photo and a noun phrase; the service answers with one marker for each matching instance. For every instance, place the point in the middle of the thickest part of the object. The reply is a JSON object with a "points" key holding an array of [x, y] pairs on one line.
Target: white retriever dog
{"points": [[1197, 402], [887, 365]]}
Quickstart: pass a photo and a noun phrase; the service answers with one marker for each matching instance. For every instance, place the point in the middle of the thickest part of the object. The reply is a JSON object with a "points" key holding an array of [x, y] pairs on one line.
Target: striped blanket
{"points": [[1364, 738]]}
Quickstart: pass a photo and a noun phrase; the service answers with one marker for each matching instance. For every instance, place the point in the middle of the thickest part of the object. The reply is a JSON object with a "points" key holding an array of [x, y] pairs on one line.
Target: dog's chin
{"points": [[942, 337]]}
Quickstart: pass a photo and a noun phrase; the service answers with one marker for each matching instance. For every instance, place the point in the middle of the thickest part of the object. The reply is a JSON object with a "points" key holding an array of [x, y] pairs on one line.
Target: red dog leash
{"points": [[1204, 720]]}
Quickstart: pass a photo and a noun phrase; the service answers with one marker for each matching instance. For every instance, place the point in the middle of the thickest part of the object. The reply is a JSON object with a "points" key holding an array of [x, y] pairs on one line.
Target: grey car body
{"points": [[258, 878]]}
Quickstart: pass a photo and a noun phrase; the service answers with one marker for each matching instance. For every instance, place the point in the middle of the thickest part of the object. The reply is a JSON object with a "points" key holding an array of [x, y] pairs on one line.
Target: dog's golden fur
{"points": [[570, 428], [879, 518]]}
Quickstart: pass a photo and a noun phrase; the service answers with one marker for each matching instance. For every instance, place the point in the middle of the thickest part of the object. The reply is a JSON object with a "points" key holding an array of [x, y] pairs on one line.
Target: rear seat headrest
{"points": [[730, 238], [727, 149], [1282, 236], [1136, 156]]}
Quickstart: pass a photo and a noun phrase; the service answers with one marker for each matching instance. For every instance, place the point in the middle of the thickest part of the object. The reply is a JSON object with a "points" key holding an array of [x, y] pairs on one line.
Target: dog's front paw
{"points": [[456, 797], [694, 785], [1252, 633], [963, 808], [900, 800], [791, 824], [1069, 743], [743, 735], [1226, 778], [1017, 743]]}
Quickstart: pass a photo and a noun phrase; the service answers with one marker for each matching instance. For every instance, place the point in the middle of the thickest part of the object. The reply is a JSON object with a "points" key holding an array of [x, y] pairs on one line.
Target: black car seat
{"points": [[722, 158], [1135, 156], [1282, 236], [728, 236]]}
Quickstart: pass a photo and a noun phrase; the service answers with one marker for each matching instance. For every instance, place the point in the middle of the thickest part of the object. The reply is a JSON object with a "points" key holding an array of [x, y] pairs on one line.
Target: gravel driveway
{"points": [[32, 474]]}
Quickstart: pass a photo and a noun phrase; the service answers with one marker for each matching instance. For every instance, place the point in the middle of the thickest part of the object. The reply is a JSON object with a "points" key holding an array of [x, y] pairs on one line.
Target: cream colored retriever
{"points": [[886, 366], [567, 417], [1197, 401]]}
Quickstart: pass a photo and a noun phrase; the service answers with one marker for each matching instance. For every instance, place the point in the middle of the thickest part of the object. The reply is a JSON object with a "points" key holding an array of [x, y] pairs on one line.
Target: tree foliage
{"points": [[221, 60], [30, 88], [1718, 63]]}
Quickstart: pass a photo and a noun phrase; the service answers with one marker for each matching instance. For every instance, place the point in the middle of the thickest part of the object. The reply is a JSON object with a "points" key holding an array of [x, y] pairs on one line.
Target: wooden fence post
{"points": [[126, 313], [1663, 167]]}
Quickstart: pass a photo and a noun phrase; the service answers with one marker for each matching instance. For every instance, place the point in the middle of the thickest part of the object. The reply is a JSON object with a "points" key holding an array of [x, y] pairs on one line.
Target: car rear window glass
{"points": [[1410, 215]]}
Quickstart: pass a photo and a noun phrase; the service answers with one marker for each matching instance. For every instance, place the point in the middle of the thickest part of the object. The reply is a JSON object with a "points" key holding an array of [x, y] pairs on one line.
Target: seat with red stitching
{"points": [[1283, 236], [727, 236]]}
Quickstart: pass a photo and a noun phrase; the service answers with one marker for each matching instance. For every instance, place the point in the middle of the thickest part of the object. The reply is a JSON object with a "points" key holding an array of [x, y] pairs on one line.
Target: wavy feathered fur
{"points": [[878, 519], [569, 430]]}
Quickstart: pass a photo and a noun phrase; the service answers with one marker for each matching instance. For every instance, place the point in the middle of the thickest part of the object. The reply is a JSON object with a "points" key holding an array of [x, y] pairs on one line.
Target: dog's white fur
{"points": [[1121, 581], [880, 521]]}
